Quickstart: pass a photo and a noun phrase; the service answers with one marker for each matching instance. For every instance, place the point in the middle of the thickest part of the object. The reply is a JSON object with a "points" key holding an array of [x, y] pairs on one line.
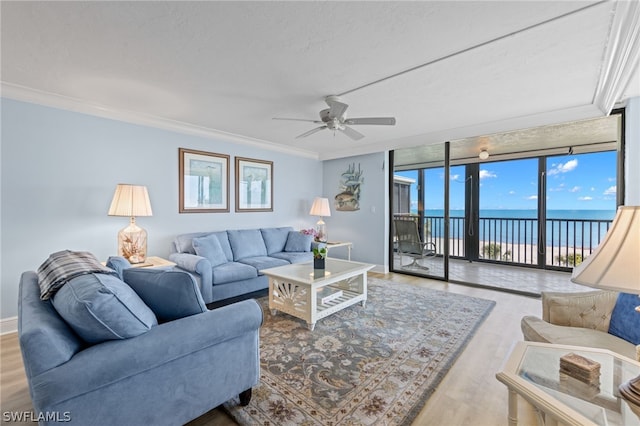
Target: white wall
{"points": [[367, 227], [60, 169], [632, 155]]}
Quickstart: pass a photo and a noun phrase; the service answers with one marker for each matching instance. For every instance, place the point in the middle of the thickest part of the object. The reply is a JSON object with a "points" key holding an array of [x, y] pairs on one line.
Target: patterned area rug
{"points": [[375, 365]]}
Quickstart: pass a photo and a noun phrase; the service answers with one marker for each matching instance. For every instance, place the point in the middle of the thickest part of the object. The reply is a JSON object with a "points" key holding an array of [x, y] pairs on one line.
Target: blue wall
{"points": [[60, 169]]}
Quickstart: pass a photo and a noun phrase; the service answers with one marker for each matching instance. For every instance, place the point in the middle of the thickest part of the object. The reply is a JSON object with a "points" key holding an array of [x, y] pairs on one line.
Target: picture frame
{"points": [[203, 182], [254, 185]]}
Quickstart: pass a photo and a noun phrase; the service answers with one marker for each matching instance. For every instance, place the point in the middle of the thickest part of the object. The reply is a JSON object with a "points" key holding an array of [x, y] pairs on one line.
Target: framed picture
{"points": [[254, 185], [204, 182]]}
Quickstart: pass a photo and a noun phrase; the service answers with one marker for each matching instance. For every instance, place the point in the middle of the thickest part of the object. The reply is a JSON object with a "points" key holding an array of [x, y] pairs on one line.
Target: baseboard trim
{"points": [[8, 325]]}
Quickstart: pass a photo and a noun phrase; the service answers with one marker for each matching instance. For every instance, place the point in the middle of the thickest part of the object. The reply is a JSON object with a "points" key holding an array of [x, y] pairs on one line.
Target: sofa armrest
{"points": [[121, 360], [590, 309], [201, 267]]}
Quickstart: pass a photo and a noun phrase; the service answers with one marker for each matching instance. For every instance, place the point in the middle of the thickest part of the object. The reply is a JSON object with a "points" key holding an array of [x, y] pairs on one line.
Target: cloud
{"points": [[611, 179], [563, 168], [575, 189], [585, 198], [532, 197], [611, 190], [593, 188], [512, 192], [455, 178], [487, 174]]}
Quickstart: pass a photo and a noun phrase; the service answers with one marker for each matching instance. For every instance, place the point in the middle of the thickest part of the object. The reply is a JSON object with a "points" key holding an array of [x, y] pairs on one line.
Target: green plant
{"points": [[571, 259], [319, 252], [492, 251]]}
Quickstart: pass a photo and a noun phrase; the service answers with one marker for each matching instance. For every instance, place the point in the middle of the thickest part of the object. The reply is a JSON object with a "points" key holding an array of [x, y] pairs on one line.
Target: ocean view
{"points": [[564, 227]]}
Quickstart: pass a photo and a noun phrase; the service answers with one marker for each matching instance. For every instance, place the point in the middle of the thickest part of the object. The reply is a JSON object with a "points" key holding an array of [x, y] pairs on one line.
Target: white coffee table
{"points": [[297, 290]]}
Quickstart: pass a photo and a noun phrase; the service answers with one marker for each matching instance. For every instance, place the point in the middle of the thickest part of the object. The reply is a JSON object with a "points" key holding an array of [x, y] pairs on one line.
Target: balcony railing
{"points": [[565, 243]]}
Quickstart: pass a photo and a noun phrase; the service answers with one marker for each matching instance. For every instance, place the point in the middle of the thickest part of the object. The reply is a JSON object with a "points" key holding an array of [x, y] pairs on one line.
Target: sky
{"points": [[574, 182]]}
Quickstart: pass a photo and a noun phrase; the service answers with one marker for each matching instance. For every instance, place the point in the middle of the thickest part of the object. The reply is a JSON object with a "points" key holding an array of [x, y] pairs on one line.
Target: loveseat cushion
{"points": [[101, 307], [275, 238], [210, 248], [298, 242], [171, 295], [232, 271], [263, 262], [246, 243], [625, 321]]}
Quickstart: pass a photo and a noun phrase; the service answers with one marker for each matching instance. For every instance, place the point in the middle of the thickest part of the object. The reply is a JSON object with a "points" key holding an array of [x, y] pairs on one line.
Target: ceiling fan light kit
{"points": [[484, 154], [334, 118]]}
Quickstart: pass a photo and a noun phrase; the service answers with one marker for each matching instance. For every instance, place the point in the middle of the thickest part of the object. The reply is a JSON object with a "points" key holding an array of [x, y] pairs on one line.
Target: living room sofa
{"points": [[184, 360], [598, 319], [227, 264]]}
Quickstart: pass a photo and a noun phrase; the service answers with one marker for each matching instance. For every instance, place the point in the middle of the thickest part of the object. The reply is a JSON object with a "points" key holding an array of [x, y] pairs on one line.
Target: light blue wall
{"points": [[367, 227], [60, 169]]}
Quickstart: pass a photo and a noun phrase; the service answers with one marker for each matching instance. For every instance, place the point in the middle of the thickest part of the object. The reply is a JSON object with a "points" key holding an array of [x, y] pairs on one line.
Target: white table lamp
{"points": [[320, 208], [131, 201]]}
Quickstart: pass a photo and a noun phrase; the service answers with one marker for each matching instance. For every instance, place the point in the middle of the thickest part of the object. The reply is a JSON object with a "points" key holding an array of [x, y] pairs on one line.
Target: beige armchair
{"points": [[580, 319]]}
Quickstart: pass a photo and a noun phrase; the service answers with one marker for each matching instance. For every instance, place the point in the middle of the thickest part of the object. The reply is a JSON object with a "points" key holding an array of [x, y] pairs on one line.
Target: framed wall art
{"points": [[203, 182], [254, 185]]}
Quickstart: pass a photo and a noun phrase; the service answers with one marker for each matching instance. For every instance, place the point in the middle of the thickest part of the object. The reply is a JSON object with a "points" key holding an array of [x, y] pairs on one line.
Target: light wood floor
{"points": [[468, 395]]}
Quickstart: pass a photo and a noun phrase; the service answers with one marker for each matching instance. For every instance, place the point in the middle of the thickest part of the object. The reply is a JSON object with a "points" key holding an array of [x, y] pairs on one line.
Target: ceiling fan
{"points": [[334, 118]]}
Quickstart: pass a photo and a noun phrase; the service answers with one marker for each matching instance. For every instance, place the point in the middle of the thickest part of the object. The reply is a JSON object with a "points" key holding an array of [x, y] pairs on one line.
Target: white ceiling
{"points": [[445, 69]]}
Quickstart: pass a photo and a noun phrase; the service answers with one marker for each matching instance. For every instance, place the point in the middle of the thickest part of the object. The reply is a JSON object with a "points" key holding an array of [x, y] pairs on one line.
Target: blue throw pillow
{"points": [[101, 307], [625, 321], [298, 242], [210, 248], [170, 294]]}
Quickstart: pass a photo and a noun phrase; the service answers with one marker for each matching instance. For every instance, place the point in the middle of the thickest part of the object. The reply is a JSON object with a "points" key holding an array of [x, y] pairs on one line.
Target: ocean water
{"points": [[574, 228]]}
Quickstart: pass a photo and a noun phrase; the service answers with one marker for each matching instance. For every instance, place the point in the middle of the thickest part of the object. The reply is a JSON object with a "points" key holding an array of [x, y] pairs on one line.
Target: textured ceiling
{"points": [[445, 70]]}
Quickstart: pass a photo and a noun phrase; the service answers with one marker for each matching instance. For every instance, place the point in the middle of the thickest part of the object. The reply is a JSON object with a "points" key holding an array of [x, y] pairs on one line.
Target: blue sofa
{"points": [[227, 264], [183, 361]]}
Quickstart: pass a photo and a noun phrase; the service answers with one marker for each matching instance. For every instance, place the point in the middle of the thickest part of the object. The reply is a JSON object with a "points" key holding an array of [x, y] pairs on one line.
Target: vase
{"points": [[318, 263]]}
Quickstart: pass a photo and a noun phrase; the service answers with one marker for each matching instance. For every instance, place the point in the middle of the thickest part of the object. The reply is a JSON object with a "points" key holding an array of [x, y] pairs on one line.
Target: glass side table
{"points": [[532, 370]]}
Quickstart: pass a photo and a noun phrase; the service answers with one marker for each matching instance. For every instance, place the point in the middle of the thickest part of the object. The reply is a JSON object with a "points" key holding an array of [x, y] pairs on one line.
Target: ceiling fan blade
{"points": [[386, 121], [336, 108], [297, 119], [353, 134], [310, 132]]}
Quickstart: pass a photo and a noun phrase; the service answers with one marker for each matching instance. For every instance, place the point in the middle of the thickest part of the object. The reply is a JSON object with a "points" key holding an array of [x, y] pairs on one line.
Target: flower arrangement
{"points": [[310, 231]]}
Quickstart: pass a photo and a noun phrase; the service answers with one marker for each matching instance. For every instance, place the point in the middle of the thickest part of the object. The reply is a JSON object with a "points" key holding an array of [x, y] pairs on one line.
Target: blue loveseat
{"points": [[227, 264], [183, 361]]}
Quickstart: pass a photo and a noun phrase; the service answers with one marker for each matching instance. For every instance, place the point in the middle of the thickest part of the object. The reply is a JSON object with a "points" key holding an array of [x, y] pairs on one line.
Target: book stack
{"points": [[581, 368]]}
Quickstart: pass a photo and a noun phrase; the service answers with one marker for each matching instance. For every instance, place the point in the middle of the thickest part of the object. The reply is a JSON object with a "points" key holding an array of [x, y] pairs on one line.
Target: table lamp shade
{"points": [[131, 201], [615, 264], [320, 207]]}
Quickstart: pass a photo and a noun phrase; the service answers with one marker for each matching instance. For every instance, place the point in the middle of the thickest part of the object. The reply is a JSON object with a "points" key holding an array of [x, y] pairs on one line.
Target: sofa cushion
{"points": [[101, 307], [275, 238], [232, 271], [263, 262], [294, 257], [210, 248], [246, 243], [297, 241], [170, 294], [625, 321]]}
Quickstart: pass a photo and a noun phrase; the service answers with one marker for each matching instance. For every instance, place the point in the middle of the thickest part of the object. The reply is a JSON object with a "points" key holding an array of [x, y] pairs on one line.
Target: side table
{"points": [[346, 244], [153, 262], [532, 371]]}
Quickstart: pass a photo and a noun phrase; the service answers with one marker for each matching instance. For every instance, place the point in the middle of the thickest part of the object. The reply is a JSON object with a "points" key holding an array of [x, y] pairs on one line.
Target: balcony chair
{"points": [[410, 244]]}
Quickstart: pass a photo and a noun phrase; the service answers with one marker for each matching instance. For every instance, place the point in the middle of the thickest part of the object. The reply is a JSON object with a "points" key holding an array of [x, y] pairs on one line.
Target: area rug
{"points": [[372, 365]]}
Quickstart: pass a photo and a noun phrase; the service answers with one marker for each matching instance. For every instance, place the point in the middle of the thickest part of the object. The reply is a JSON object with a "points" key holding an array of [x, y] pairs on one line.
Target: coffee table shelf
{"points": [[293, 289]]}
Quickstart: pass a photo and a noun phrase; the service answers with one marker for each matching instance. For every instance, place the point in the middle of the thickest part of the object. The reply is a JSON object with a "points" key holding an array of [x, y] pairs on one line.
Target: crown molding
{"points": [[39, 97], [621, 57]]}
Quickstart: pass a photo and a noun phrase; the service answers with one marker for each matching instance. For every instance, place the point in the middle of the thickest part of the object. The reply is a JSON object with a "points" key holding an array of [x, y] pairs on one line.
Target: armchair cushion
{"points": [[625, 321], [170, 294], [209, 247], [101, 307], [298, 242]]}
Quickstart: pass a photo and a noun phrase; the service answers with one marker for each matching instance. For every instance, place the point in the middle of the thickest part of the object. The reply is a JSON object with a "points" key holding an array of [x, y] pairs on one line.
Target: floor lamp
{"points": [[615, 265]]}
